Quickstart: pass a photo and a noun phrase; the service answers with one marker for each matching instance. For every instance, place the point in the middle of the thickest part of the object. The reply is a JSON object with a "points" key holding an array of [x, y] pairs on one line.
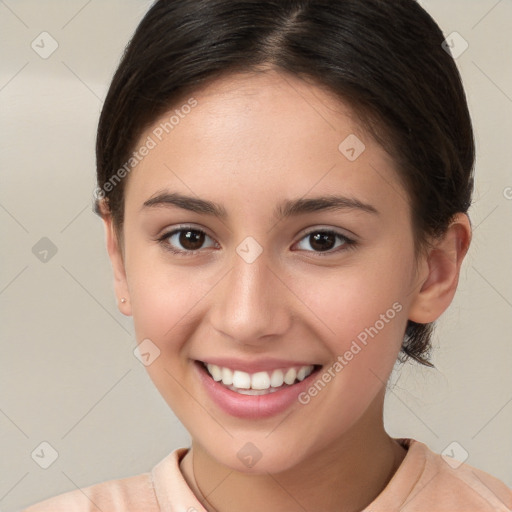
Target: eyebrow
{"points": [[288, 208]]}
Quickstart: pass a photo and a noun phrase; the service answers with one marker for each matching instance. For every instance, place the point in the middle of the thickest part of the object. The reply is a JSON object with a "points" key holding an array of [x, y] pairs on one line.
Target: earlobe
{"points": [[118, 267], [439, 282]]}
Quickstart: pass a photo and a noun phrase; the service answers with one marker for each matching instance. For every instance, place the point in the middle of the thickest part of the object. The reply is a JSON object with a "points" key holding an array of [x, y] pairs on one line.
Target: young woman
{"points": [[284, 187]]}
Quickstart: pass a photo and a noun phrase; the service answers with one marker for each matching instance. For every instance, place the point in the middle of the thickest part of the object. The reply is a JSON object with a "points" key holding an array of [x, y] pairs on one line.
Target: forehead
{"points": [[261, 137]]}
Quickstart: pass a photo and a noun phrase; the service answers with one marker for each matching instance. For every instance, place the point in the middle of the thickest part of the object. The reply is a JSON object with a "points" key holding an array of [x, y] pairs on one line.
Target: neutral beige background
{"points": [[68, 373]]}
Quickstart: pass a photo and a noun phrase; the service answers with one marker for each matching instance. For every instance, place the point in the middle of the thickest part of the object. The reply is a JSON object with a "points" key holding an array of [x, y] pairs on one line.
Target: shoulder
{"points": [[445, 484], [134, 493], [162, 486]]}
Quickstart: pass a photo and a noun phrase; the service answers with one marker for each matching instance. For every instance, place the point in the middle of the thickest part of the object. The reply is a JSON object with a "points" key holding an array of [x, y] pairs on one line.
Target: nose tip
{"points": [[249, 305]]}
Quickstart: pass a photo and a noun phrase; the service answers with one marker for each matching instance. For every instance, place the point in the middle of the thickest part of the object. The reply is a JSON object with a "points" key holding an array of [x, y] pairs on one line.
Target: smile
{"points": [[259, 383], [254, 390]]}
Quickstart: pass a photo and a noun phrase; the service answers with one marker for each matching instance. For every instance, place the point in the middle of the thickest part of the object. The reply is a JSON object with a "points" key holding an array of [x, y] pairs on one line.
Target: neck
{"points": [[347, 475]]}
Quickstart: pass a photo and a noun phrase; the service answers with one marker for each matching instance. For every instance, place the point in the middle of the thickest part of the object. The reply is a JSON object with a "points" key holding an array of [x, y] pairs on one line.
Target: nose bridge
{"points": [[249, 304]]}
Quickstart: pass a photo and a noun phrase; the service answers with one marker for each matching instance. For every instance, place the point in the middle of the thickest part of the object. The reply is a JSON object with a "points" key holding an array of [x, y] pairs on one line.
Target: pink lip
{"points": [[252, 406], [257, 365]]}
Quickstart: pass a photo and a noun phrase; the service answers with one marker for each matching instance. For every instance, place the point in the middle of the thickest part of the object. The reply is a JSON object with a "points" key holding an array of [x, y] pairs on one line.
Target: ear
{"points": [[440, 272], [117, 260]]}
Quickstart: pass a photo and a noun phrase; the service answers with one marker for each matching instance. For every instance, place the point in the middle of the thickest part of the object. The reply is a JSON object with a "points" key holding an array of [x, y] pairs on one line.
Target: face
{"points": [[254, 243]]}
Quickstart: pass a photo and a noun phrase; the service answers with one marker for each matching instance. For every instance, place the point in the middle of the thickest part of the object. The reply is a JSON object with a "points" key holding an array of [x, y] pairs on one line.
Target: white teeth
{"points": [[277, 378], [260, 380], [253, 392], [241, 380], [301, 374], [258, 383], [227, 376], [290, 376], [215, 372]]}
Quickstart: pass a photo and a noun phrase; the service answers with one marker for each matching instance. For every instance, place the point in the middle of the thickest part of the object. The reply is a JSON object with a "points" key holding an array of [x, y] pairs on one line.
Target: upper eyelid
{"points": [[336, 231], [183, 227]]}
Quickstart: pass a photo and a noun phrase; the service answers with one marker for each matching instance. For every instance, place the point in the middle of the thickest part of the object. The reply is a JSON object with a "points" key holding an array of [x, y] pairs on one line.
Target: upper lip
{"points": [[258, 365]]}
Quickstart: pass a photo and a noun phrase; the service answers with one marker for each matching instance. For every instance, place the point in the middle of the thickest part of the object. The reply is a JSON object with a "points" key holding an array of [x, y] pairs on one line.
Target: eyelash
{"points": [[348, 243]]}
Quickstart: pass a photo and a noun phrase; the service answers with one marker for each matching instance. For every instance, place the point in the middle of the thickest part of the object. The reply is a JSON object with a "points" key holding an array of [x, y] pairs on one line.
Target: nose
{"points": [[251, 304]]}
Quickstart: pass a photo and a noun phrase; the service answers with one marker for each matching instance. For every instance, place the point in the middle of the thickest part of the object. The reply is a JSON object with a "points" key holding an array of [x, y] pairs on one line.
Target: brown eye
{"points": [[325, 241], [322, 241], [186, 240], [191, 240]]}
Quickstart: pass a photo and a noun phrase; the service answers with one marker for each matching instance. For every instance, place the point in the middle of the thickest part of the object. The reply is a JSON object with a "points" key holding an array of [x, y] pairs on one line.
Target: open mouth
{"points": [[258, 383]]}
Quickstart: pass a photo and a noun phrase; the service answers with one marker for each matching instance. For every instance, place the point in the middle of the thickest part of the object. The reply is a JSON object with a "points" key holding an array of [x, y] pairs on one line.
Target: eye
{"points": [[322, 241], [188, 240], [185, 240]]}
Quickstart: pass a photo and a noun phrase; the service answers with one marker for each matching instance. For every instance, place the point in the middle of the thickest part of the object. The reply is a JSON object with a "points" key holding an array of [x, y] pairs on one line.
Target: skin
{"points": [[252, 141]]}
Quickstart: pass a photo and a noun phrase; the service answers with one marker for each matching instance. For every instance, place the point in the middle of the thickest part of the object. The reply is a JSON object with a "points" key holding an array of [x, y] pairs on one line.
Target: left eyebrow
{"points": [[299, 206], [288, 208]]}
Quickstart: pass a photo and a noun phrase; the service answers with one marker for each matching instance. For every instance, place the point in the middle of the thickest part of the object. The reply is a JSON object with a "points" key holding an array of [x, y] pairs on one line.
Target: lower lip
{"points": [[252, 406]]}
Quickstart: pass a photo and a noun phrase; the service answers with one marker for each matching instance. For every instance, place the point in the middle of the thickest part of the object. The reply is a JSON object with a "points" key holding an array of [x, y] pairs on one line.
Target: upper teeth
{"points": [[258, 380]]}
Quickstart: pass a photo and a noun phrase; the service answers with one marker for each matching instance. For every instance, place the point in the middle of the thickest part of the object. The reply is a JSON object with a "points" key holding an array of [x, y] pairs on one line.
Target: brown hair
{"points": [[383, 57]]}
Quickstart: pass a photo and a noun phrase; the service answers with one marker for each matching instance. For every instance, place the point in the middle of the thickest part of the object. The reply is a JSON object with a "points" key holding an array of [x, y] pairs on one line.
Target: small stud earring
{"points": [[123, 300]]}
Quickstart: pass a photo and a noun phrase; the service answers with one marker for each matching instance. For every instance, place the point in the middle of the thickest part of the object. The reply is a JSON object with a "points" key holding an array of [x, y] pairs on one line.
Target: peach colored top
{"points": [[424, 482]]}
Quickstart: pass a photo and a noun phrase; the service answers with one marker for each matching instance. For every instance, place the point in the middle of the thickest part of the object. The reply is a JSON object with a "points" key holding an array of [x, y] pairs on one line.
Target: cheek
{"points": [[165, 305], [163, 296], [365, 309], [355, 301], [368, 333]]}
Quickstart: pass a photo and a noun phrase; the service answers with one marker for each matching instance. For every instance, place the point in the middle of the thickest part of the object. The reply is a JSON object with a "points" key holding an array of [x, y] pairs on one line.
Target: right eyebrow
{"points": [[192, 204]]}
